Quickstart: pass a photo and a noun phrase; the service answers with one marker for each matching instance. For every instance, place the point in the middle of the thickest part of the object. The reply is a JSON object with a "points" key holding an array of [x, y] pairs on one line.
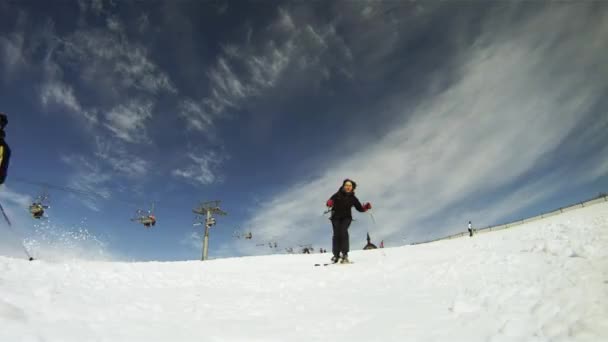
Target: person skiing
{"points": [[5, 151], [5, 157], [470, 229], [340, 204]]}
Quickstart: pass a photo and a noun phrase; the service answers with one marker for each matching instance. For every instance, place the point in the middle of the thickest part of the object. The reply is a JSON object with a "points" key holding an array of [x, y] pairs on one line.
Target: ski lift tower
{"points": [[206, 210]]}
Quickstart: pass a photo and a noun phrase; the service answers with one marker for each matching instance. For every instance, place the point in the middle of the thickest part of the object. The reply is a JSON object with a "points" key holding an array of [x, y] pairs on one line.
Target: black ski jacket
{"points": [[5, 156], [343, 202]]}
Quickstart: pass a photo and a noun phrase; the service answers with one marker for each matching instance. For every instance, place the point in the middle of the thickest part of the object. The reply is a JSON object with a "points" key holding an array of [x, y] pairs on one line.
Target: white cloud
{"points": [[88, 178], [11, 49], [193, 240], [56, 93], [202, 169], [143, 22], [242, 73], [108, 66], [95, 6], [266, 69], [197, 117], [10, 196], [61, 94], [91, 176], [127, 121], [14, 45], [138, 71], [285, 21], [520, 92], [117, 157], [109, 55], [114, 24]]}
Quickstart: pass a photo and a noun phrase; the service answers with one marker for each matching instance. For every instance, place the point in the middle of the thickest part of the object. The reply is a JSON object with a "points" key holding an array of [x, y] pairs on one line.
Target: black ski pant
{"points": [[340, 241]]}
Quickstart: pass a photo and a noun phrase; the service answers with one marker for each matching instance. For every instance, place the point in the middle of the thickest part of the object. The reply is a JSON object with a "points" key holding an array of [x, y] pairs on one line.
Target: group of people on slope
{"points": [[340, 203]]}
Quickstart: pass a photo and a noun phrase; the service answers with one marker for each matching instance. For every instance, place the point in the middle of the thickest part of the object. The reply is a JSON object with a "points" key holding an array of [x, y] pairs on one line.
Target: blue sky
{"points": [[443, 113]]}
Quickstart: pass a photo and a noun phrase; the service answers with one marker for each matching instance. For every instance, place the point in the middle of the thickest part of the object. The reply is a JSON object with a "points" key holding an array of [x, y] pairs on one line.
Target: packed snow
{"points": [[542, 281]]}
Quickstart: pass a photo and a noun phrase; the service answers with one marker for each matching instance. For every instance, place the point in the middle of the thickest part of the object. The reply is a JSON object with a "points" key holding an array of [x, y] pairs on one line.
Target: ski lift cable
{"points": [[90, 194]]}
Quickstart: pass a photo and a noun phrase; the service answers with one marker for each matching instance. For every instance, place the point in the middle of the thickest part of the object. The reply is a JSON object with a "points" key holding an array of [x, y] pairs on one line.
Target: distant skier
{"points": [[341, 217], [470, 229], [5, 151]]}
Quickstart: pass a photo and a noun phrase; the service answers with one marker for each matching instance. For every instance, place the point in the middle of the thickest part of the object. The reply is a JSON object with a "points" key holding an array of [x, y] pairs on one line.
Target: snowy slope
{"points": [[544, 281]]}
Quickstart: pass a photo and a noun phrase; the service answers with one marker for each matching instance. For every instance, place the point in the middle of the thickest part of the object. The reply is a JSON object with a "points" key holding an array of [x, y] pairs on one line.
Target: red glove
{"points": [[367, 206], [330, 203]]}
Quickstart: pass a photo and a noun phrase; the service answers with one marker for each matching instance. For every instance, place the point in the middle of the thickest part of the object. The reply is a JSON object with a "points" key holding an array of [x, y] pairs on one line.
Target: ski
{"points": [[335, 263]]}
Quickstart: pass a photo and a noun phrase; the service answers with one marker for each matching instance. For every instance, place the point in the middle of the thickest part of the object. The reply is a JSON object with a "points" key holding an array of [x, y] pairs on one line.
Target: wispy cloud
{"points": [[11, 51], [248, 70], [192, 240], [108, 65], [120, 160], [8, 195], [127, 121], [202, 168], [114, 24], [108, 55], [143, 22], [96, 178], [94, 6], [285, 21], [13, 48], [520, 92], [56, 93], [88, 178], [197, 117]]}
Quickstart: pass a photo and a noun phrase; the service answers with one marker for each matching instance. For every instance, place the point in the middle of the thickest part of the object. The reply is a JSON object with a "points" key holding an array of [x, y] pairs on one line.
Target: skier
{"points": [[5, 157], [369, 245], [470, 229], [340, 204], [5, 151]]}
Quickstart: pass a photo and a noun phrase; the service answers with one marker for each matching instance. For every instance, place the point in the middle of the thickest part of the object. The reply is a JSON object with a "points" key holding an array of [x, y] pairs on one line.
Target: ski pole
{"points": [[10, 228], [375, 226], [372, 216]]}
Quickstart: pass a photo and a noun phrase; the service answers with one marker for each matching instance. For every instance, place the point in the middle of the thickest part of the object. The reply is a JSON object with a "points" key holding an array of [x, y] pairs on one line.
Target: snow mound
{"points": [[542, 281]]}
